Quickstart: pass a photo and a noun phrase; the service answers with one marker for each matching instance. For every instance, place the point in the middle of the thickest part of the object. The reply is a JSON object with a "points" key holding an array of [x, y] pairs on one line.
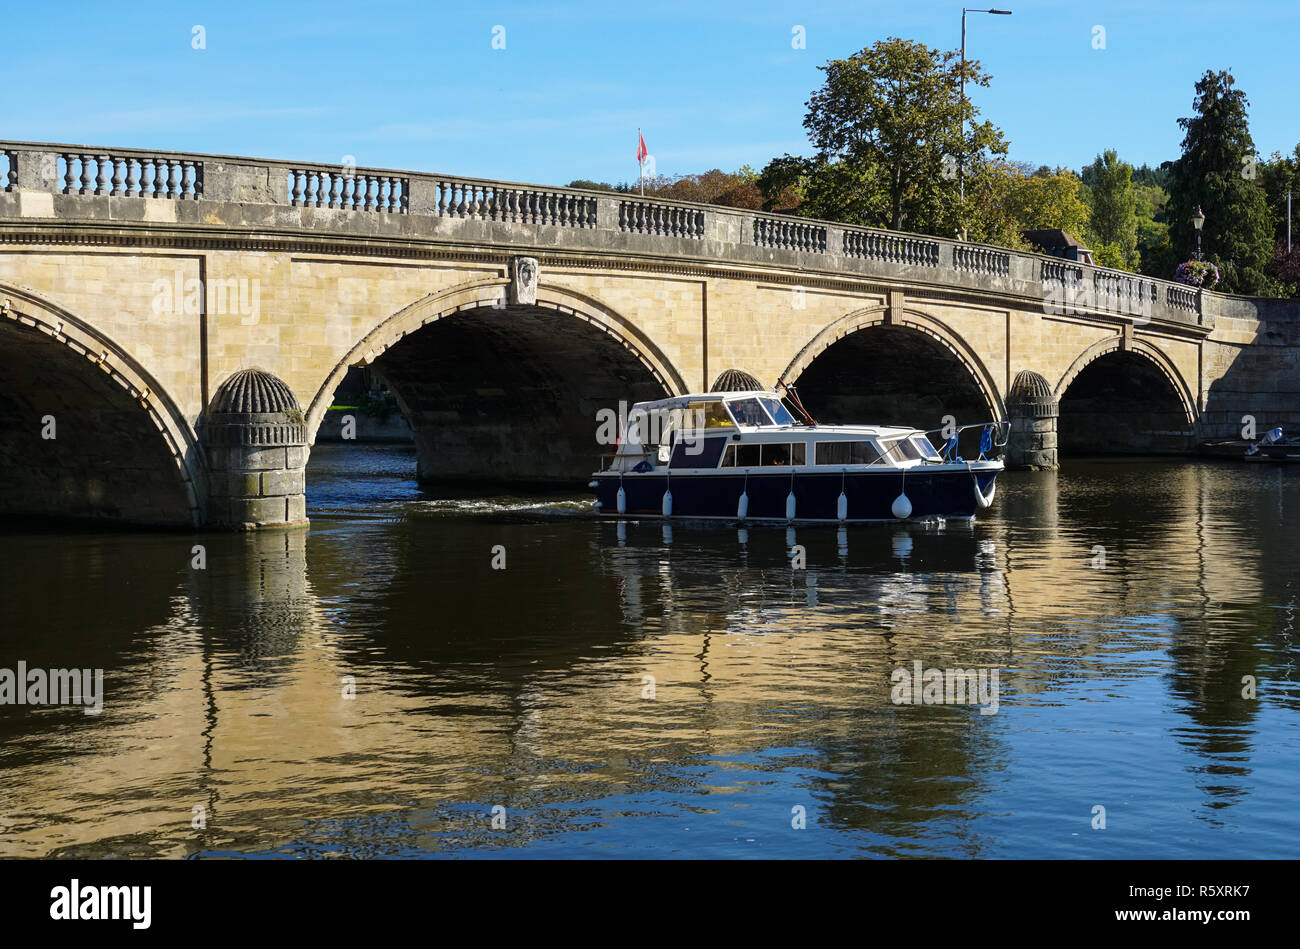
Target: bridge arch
{"points": [[507, 392], [904, 367], [1122, 398], [908, 319], [481, 294], [122, 451]]}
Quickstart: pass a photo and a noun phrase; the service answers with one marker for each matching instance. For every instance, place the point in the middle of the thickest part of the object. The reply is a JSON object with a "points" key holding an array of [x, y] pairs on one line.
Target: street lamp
{"points": [[1198, 222], [961, 155]]}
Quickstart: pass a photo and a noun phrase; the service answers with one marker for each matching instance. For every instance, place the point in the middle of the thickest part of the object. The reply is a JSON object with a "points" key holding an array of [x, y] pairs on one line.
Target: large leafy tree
{"points": [[893, 117], [1113, 228], [1217, 171]]}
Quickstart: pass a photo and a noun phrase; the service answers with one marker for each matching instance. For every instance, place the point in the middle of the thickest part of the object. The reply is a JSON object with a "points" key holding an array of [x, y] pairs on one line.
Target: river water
{"points": [[374, 687]]}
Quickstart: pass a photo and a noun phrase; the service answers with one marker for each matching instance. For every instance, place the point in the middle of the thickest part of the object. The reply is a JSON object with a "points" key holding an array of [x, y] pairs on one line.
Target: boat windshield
{"points": [[924, 446], [778, 412], [748, 412]]}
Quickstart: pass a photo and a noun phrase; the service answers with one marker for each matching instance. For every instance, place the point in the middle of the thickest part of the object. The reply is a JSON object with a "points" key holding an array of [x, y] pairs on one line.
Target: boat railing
{"points": [[995, 435]]}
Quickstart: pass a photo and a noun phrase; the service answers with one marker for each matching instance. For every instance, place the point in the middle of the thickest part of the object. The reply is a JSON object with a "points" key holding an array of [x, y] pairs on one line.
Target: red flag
{"points": [[641, 151]]}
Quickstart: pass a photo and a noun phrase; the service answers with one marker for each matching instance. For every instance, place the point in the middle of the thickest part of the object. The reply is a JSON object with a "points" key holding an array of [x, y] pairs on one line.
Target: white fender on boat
{"points": [[789, 506], [981, 500], [742, 506], [901, 508], [668, 502], [622, 500], [842, 507]]}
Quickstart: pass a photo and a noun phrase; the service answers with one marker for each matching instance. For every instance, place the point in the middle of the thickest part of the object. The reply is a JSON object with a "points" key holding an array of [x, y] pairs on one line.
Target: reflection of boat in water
{"points": [[743, 456]]}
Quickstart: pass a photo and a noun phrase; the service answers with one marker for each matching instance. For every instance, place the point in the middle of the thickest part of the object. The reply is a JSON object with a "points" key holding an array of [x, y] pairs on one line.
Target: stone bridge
{"points": [[173, 328]]}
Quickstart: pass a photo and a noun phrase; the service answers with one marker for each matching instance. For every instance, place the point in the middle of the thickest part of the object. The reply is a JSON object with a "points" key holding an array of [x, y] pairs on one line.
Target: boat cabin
{"points": [[720, 430]]}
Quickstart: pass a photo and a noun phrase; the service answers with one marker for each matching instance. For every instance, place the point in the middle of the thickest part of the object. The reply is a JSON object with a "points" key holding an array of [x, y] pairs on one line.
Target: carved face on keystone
{"points": [[527, 272]]}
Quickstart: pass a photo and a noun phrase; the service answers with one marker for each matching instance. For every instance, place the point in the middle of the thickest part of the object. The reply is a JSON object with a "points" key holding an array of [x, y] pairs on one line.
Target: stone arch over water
{"points": [[909, 370], [121, 451], [1122, 400], [507, 392]]}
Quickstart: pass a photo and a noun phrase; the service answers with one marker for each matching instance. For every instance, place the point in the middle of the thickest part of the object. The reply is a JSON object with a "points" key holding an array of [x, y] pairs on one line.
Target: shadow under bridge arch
{"points": [[911, 371], [510, 393]]}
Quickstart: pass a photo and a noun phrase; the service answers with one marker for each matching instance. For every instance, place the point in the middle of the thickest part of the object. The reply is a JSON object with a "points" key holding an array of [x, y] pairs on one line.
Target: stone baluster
{"points": [[85, 174], [175, 180]]}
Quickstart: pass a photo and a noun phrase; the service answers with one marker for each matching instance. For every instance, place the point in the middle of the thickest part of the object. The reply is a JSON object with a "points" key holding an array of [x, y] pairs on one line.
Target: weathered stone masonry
{"points": [[480, 299]]}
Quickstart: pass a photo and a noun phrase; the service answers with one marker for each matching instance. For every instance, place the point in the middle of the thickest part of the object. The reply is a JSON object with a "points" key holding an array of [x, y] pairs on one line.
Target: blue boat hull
{"points": [[870, 494]]}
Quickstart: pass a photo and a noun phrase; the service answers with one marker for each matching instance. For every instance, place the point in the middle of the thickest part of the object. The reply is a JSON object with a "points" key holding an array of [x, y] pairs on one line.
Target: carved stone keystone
{"points": [[523, 281]]}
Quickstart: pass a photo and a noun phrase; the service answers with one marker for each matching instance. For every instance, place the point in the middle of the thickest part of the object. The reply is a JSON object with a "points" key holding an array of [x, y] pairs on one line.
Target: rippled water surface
{"points": [[1122, 602]]}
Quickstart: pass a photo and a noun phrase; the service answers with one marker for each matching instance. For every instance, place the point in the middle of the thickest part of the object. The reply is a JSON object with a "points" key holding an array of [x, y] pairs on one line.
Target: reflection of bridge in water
{"points": [[136, 286], [477, 687]]}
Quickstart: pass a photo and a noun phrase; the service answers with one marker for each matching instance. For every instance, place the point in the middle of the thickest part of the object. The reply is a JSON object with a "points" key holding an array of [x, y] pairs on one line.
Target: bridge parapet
{"points": [[52, 187]]}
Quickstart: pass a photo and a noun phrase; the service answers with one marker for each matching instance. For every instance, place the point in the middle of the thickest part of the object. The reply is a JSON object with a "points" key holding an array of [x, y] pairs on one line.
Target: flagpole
{"points": [[640, 162]]}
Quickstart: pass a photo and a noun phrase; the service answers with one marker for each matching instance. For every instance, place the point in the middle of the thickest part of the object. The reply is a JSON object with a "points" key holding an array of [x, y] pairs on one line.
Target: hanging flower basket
{"points": [[1197, 273]]}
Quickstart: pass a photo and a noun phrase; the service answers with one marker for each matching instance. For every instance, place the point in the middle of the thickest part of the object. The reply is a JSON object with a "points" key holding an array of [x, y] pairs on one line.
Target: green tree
{"points": [[1217, 171], [1155, 252], [1007, 199], [1277, 176], [892, 116], [1113, 224]]}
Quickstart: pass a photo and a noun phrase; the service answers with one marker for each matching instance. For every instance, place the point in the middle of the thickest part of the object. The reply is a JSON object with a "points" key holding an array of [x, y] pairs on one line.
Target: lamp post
{"points": [[961, 155], [1198, 222]]}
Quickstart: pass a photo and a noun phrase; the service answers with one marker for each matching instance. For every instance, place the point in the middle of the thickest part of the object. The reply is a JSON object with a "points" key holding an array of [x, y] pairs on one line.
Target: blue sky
{"points": [[713, 84]]}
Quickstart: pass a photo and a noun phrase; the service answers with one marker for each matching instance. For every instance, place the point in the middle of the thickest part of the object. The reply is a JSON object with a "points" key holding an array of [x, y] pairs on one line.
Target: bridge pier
{"points": [[255, 439], [1033, 412]]}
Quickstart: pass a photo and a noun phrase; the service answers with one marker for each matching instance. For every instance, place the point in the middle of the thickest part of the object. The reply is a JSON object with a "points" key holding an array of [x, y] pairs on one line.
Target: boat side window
{"points": [[778, 412], [782, 453], [847, 453], [769, 455], [748, 412]]}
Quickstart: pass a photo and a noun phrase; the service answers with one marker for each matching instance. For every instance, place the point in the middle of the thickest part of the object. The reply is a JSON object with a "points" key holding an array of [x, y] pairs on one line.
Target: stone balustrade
{"points": [[975, 259], [133, 175], [890, 248], [491, 201], [1181, 298], [653, 217], [348, 189], [219, 193], [1055, 271], [790, 234]]}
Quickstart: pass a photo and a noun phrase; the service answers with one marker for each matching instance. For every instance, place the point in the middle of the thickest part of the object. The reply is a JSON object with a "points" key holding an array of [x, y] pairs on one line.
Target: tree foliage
{"points": [[1007, 198], [1217, 171], [1113, 226], [892, 117]]}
